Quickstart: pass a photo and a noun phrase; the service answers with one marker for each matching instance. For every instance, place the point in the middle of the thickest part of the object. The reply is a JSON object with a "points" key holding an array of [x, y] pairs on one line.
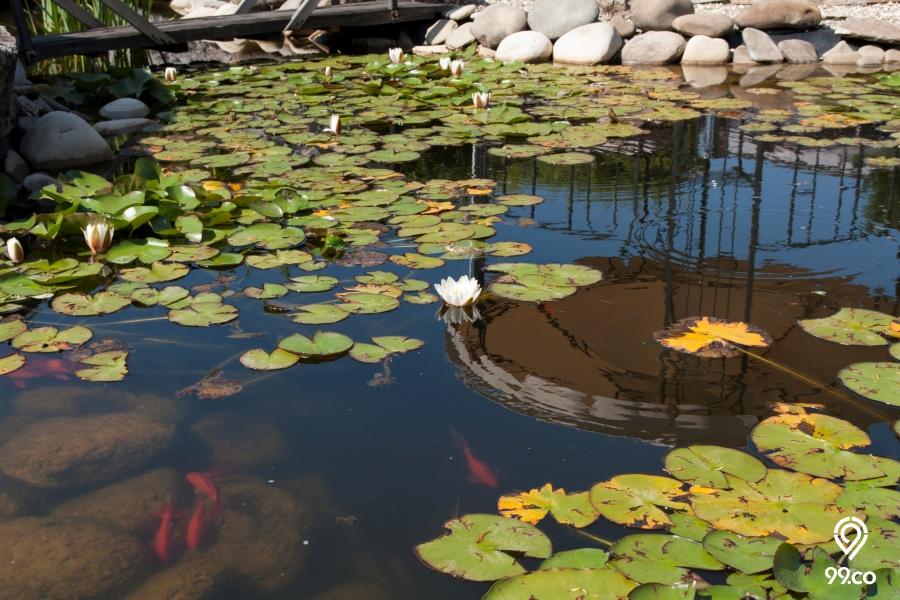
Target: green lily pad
{"points": [[872, 500], [324, 344], [567, 158], [279, 258], [661, 591], [880, 550], [688, 526], [85, 305], [748, 555], [660, 558], [269, 236], [312, 283], [104, 367], [260, 360], [203, 314], [147, 251], [11, 363], [851, 326], [420, 298], [707, 465], [366, 304], [368, 353], [397, 344], [157, 273], [562, 584], [393, 156], [638, 500], [319, 314], [795, 575], [519, 200], [874, 380], [416, 261], [50, 339], [582, 558], [11, 328], [267, 292], [478, 547]]}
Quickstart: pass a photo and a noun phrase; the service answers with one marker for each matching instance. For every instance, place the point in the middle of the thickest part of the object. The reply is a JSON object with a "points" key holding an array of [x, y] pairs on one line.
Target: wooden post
{"points": [[301, 14], [139, 22], [26, 46], [83, 16]]}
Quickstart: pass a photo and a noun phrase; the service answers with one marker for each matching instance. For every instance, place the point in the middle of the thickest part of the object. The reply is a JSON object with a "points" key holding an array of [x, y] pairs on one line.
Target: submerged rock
{"points": [[525, 46], [78, 451], [497, 22], [60, 140], [653, 48], [592, 44], [191, 578], [70, 400], [554, 18], [65, 559], [239, 442], [657, 15], [127, 504], [355, 591]]}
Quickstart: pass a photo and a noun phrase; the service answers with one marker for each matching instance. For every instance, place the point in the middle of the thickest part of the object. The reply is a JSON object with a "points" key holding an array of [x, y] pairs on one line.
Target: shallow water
{"points": [[359, 461]]}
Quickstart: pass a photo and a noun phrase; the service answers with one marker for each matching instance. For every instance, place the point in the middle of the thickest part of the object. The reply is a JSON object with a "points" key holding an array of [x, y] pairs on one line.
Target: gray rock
{"points": [[15, 166], [27, 107], [193, 577], [710, 25], [554, 18], [439, 31], [66, 559], [526, 46], [760, 46], [892, 56], [60, 140], [657, 15], [876, 30], [704, 50], [591, 44], [26, 123], [780, 14], [741, 56], [429, 50], [497, 22], [870, 56], [822, 38], [798, 51], [9, 76], [625, 27], [461, 38], [704, 76], [460, 13], [68, 452], [653, 48], [841, 54], [124, 108], [121, 126], [38, 181], [21, 76]]}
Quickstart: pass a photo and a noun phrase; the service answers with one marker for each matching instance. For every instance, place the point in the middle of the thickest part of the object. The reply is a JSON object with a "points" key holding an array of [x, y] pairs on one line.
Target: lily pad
{"points": [[260, 360], [851, 326], [748, 555], [157, 273], [582, 558], [11, 363], [707, 465], [660, 558], [104, 367], [267, 292], [85, 305], [534, 505], [366, 304], [324, 344], [479, 547], [312, 283], [794, 574], [874, 380], [11, 328], [416, 261], [397, 344], [562, 584], [319, 314], [638, 500], [50, 339], [203, 314]]}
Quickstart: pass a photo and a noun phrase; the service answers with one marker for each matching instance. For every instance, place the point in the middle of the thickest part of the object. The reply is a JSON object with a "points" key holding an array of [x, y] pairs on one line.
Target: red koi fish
{"points": [[162, 543], [196, 529], [479, 472], [37, 368], [205, 484]]}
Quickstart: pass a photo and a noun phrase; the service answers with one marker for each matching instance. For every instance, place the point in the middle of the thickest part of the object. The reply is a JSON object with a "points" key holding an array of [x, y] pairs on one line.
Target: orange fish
{"points": [[196, 528], [479, 472], [35, 368], [162, 543], [204, 484]]}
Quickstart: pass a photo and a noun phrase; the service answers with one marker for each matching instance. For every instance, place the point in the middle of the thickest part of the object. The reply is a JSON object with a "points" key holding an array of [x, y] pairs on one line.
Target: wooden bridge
{"points": [[174, 35]]}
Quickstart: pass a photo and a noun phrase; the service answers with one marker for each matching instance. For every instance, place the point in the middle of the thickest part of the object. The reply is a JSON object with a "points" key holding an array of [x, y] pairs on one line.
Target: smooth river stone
{"points": [[554, 18], [704, 50], [779, 14], [61, 140], [461, 38], [124, 108], [653, 48], [841, 54], [440, 31], [525, 46], [592, 44], [876, 30], [657, 15], [497, 22], [710, 25], [798, 51], [760, 46]]}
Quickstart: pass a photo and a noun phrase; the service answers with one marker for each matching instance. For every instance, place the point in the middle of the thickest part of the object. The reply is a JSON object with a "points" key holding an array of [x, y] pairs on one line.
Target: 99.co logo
{"points": [[850, 547]]}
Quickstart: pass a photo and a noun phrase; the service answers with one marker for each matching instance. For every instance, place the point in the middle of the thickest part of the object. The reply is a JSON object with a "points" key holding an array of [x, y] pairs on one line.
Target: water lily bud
{"points": [[481, 99], [334, 127], [396, 55], [444, 62], [15, 251], [456, 68], [328, 73], [98, 237], [170, 74]]}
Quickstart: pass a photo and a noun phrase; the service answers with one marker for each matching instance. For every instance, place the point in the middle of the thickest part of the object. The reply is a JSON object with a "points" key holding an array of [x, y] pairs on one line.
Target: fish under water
{"points": [[196, 529], [162, 542], [204, 483], [41, 368], [479, 471]]}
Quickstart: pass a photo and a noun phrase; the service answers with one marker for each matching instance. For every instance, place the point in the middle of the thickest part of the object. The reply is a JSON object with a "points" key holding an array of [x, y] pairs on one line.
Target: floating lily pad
{"points": [[662, 591], [562, 584], [707, 465], [203, 314], [260, 360], [534, 505], [660, 558], [874, 380], [11, 328], [279, 258], [157, 273], [366, 304], [851, 326], [748, 555], [50, 339], [582, 558], [398, 344], [319, 314], [104, 367], [368, 353], [567, 158], [324, 344], [312, 283], [267, 292], [269, 236], [638, 500], [794, 574], [11, 363], [420, 298], [479, 547], [417, 261], [85, 305]]}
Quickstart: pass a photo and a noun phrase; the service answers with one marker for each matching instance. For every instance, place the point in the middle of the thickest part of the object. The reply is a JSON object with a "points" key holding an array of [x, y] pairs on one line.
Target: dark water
{"points": [[693, 219]]}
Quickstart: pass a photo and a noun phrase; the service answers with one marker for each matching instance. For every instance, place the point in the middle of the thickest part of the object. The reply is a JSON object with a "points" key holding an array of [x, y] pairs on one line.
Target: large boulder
{"points": [[496, 23], [460, 37], [761, 47], [60, 140], [525, 46], [798, 51], [875, 30], [841, 54], [191, 578], [592, 44], [554, 18], [710, 25], [653, 48], [66, 559], [69, 452], [704, 50], [440, 31], [780, 14], [124, 108], [657, 15]]}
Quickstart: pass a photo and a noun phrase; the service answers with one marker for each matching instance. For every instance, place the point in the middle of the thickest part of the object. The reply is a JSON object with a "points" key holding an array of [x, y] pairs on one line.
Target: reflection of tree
{"points": [[883, 206]]}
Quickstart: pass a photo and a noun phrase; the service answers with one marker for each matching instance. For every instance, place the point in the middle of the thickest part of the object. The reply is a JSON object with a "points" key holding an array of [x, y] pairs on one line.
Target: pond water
{"points": [[331, 472]]}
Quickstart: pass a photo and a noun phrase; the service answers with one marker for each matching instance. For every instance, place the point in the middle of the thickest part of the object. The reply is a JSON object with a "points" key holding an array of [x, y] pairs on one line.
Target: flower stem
{"points": [[591, 536]]}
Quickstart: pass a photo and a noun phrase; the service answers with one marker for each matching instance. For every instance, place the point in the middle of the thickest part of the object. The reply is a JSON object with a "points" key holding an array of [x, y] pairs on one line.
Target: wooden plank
{"points": [[83, 16], [300, 16], [138, 22], [26, 42], [245, 6], [233, 26]]}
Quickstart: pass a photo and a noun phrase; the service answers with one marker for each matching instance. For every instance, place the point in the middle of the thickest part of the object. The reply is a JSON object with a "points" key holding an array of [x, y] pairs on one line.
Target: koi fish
{"points": [[162, 543], [204, 484], [196, 528], [479, 472], [56, 368]]}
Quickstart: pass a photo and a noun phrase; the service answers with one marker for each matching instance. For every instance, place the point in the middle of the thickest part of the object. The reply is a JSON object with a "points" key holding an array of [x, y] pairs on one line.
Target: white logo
{"points": [[851, 546]]}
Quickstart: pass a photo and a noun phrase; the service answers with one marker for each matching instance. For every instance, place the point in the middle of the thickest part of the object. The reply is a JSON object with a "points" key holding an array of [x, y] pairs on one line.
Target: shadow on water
{"points": [[694, 219]]}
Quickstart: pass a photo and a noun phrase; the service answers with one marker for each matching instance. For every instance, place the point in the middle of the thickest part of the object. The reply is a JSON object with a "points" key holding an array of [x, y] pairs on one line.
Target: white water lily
{"points": [[15, 251], [396, 55], [481, 99], [461, 292], [98, 237], [444, 62], [334, 127], [456, 68], [459, 315], [327, 73], [170, 74]]}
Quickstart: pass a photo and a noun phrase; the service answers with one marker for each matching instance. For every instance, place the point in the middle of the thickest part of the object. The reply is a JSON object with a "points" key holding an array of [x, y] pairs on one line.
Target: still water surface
{"points": [[331, 473]]}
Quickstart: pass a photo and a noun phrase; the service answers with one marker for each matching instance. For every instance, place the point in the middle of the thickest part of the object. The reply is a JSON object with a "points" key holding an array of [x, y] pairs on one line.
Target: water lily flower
{"points": [[459, 315], [461, 292], [170, 74], [396, 55], [456, 68], [327, 73], [98, 237], [481, 99], [15, 251], [444, 62], [334, 127]]}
